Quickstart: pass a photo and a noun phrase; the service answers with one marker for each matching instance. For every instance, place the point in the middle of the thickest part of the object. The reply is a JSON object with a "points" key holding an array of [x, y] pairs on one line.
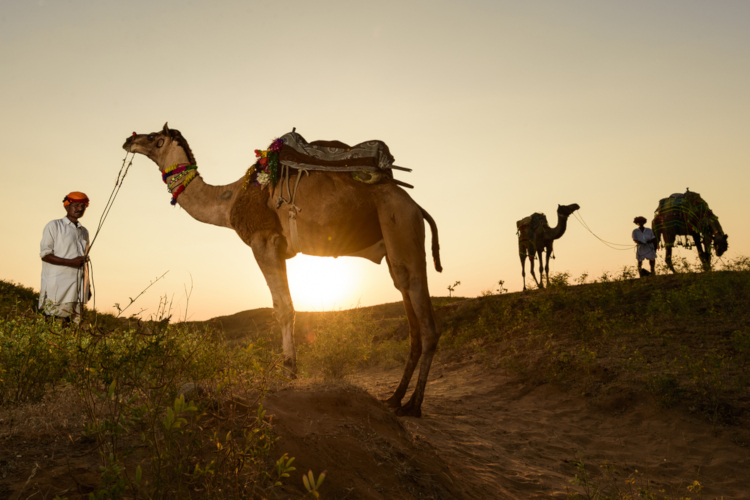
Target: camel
{"points": [[535, 236], [687, 214], [337, 216]]}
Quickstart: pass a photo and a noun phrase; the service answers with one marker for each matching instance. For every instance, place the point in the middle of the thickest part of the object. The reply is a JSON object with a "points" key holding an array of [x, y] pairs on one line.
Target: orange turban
{"points": [[75, 197]]}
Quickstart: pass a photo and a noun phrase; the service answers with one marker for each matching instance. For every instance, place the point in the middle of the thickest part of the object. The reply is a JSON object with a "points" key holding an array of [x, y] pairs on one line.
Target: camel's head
{"points": [[566, 210], [721, 244], [164, 147]]}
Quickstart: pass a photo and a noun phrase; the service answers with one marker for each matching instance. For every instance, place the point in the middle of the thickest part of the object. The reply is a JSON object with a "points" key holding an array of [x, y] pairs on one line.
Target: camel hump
{"points": [[529, 226]]}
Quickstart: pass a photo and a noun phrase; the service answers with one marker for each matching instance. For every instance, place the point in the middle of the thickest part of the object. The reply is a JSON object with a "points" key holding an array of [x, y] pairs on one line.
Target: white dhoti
{"points": [[645, 250]]}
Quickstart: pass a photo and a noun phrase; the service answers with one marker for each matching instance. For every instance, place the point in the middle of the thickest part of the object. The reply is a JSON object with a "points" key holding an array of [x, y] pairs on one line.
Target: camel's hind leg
{"points": [[533, 274], [403, 231], [669, 240], [415, 345], [269, 249], [523, 268]]}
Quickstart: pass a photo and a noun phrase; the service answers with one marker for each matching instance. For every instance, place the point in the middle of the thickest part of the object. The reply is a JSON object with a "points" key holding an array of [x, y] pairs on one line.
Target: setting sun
{"points": [[320, 283]]}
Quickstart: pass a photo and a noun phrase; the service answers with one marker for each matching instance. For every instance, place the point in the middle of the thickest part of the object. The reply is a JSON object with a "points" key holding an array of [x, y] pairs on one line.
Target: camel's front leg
{"points": [[703, 254], [269, 249], [546, 266], [523, 268], [541, 270]]}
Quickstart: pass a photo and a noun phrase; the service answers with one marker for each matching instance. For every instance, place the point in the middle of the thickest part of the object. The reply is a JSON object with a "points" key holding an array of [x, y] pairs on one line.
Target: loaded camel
{"points": [[335, 216], [535, 236], [687, 214]]}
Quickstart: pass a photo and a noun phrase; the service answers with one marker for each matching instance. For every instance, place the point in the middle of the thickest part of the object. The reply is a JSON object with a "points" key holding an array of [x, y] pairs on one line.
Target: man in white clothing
{"points": [[646, 241], [63, 252]]}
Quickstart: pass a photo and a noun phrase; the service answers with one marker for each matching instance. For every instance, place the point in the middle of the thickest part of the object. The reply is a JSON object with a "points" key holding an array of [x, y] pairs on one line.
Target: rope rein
{"points": [[105, 213], [611, 245]]}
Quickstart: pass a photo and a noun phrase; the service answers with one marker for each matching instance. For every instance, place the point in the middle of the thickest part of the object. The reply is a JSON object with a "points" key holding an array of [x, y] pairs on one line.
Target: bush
{"points": [[33, 357], [344, 342]]}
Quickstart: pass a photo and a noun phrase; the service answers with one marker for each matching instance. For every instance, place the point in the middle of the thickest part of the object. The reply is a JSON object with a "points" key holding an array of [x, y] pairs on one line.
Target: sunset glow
{"points": [[321, 283], [501, 109]]}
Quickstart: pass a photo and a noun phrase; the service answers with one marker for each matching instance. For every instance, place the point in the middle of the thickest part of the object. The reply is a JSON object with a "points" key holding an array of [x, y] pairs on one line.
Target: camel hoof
{"points": [[391, 402], [409, 410]]}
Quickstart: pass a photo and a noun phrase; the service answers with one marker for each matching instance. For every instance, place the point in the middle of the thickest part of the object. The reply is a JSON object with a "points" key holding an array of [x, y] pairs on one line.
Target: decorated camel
{"points": [[328, 213], [535, 236], [687, 214]]}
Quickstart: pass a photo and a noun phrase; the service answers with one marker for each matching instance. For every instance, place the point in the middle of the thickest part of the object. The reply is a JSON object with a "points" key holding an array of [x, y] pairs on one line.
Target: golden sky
{"points": [[501, 108]]}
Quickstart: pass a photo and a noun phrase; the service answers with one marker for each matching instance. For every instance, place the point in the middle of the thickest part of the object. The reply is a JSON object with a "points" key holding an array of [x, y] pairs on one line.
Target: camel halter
{"points": [[177, 177]]}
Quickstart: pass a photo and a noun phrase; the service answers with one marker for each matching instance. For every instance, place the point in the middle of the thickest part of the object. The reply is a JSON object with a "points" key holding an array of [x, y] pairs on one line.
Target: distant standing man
{"points": [[63, 249], [646, 241]]}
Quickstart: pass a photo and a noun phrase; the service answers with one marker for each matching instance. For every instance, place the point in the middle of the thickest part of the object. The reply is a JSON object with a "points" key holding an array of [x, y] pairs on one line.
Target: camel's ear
{"points": [[165, 129]]}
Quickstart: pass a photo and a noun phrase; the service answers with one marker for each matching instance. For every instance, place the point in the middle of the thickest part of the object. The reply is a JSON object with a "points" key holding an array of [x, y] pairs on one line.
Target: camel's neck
{"points": [[206, 203], [555, 233], [716, 227]]}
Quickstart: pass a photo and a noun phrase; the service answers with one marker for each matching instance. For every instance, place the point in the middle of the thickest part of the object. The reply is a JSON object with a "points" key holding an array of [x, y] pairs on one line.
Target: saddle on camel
{"points": [[344, 202], [368, 161], [687, 214]]}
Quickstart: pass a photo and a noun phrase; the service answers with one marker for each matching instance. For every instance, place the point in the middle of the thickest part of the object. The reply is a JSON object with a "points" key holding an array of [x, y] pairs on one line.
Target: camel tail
{"points": [[435, 242]]}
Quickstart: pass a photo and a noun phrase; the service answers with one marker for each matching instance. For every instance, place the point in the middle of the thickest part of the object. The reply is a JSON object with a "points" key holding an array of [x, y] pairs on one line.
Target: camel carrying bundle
{"points": [[529, 229], [682, 212]]}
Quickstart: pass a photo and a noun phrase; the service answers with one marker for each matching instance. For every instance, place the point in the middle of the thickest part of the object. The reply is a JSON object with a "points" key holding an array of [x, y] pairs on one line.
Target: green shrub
{"points": [[33, 357], [344, 342]]}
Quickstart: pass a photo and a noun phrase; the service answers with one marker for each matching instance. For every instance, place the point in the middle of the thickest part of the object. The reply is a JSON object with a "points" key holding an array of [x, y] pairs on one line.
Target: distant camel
{"points": [[335, 216], [535, 236], [687, 214]]}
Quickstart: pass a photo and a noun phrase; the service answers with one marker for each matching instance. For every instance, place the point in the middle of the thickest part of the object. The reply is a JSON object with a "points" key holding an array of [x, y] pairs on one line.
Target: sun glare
{"points": [[321, 283]]}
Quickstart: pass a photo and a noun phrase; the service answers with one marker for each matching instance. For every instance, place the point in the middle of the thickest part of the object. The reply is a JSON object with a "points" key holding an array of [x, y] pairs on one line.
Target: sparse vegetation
{"points": [[344, 342], [611, 483], [174, 408], [682, 338], [172, 411]]}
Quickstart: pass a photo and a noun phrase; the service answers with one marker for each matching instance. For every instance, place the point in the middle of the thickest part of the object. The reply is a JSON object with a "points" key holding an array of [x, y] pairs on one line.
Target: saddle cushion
{"points": [[529, 230], [682, 213], [369, 156]]}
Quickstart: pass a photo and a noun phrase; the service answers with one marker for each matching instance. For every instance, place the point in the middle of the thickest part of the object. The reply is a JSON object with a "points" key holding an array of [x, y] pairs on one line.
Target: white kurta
{"points": [[645, 250], [62, 284]]}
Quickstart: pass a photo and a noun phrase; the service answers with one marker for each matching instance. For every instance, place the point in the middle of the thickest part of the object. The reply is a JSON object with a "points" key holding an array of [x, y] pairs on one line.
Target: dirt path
{"points": [[483, 435], [504, 439]]}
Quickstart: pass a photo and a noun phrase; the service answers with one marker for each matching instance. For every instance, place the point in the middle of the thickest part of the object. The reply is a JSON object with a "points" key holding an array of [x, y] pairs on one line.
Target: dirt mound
{"points": [[366, 450]]}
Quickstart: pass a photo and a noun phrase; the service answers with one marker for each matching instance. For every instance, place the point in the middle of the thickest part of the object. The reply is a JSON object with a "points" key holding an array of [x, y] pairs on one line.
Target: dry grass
{"points": [[58, 413]]}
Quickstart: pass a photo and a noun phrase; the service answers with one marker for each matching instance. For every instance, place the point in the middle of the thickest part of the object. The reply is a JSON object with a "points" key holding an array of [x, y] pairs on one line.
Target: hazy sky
{"points": [[501, 108]]}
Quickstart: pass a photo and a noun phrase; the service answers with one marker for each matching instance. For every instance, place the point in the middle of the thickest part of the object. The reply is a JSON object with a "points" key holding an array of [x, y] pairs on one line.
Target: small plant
{"points": [[311, 485], [452, 288], [559, 280], [497, 291], [582, 278]]}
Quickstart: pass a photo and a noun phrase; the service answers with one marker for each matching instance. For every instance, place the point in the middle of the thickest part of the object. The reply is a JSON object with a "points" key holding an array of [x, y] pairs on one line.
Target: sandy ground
{"points": [[505, 439], [483, 435]]}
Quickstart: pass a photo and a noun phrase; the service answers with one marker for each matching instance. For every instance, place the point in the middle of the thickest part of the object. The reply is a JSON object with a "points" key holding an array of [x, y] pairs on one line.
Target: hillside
{"points": [[615, 385]]}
